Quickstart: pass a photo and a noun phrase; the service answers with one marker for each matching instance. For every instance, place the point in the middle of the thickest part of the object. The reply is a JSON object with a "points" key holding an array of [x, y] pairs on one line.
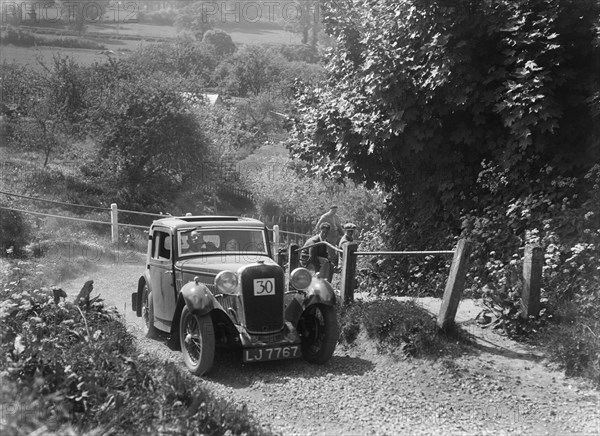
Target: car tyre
{"points": [[148, 314], [320, 332], [197, 339]]}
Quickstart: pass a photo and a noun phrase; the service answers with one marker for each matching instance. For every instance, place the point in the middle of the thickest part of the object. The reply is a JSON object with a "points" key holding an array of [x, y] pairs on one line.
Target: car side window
{"points": [[161, 245]]}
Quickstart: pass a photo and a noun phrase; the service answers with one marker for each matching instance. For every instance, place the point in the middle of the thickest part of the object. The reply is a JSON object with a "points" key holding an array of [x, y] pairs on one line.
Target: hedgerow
{"points": [[69, 369]]}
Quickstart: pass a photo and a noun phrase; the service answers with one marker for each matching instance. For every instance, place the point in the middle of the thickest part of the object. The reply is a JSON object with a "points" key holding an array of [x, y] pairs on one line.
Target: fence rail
{"points": [[71, 218], [114, 211]]}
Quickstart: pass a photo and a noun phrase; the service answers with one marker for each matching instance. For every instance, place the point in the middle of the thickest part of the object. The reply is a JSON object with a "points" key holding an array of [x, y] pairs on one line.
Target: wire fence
{"points": [[114, 210]]}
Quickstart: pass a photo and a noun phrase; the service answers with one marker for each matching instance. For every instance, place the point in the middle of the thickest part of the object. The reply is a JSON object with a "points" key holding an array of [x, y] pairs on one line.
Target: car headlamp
{"points": [[300, 278], [227, 282]]}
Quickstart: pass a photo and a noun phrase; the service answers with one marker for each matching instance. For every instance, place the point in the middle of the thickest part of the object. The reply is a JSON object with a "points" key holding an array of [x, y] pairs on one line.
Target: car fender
{"points": [[198, 298], [319, 292]]}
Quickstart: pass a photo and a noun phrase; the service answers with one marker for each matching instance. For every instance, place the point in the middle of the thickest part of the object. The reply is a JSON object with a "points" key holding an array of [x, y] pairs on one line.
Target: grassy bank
{"points": [[68, 369]]}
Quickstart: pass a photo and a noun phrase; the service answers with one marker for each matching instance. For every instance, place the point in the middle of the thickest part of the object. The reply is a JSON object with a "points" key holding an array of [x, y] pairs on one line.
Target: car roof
{"points": [[177, 222]]}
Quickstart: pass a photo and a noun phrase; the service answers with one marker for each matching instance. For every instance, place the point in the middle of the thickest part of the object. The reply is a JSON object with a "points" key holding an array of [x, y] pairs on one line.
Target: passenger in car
{"points": [[232, 245]]}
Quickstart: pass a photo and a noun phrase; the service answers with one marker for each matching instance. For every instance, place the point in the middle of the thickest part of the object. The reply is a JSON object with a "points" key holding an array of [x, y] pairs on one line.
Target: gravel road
{"points": [[499, 387]]}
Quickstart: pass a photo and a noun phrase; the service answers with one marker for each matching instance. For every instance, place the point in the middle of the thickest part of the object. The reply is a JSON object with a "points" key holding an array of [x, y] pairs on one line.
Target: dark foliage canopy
{"points": [[422, 95]]}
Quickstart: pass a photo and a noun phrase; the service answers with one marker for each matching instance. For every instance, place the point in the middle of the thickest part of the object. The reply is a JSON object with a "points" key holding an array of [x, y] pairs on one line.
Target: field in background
{"points": [[124, 37]]}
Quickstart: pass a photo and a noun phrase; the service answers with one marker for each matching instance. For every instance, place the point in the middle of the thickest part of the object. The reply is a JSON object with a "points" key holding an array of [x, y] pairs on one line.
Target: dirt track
{"points": [[499, 387]]}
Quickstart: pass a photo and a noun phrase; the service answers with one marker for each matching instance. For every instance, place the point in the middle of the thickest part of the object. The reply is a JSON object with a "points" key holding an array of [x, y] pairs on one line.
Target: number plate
{"points": [[264, 287], [272, 353]]}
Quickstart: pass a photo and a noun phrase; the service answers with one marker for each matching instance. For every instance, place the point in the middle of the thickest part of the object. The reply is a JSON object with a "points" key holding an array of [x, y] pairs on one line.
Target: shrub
{"points": [[78, 369], [398, 327], [23, 38], [415, 276], [164, 17], [575, 346], [17, 37], [14, 232]]}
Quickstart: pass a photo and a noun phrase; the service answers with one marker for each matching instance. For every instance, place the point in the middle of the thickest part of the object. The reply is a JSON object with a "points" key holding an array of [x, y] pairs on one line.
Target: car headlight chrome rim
{"points": [[300, 278], [227, 282]]}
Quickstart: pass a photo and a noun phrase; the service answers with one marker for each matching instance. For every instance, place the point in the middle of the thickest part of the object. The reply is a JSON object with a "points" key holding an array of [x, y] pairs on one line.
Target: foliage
{"points": [[221, 42], [163, 17], [150, 140], [14, 232], [305, 20], [82, 13], [298, 52], [49, 105], [183, 56], [195, 19], [418, 103], [416, 276], [398, 327], [77, 369], [575, 346], [250, 71], [276, 185], [476, 118], [23, 38]]}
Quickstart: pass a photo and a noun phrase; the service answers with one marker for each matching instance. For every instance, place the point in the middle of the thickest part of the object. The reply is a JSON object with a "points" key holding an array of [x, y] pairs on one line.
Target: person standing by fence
{"points": [[348, 236], [335, 231]]}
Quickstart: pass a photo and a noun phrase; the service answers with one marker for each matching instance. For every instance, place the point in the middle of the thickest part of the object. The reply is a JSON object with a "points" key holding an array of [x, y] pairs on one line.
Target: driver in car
{"points": [[197, 243]]}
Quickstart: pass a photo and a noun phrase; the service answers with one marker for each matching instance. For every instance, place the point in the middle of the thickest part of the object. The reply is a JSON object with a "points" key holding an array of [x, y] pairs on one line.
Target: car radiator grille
{"points": [[263, 313]]}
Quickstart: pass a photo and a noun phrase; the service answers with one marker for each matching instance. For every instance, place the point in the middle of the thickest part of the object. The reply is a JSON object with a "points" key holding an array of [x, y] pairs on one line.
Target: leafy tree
{"points": [[220, 41], [151, 142], [251, 70], [82, 13], [195, 19], [184, 56], [49, 104], [304, 18], [420, 94]]}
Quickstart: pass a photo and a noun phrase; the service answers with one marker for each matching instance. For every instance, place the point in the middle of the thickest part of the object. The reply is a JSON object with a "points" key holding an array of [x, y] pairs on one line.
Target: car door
{"points": [[161, 276]]}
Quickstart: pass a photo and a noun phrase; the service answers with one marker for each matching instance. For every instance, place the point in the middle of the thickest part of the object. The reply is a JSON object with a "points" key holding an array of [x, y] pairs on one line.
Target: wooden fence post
{"points": [[276, 242], [454, 285], [349, 272], [293, 257], [532, 280], [114, 220]]}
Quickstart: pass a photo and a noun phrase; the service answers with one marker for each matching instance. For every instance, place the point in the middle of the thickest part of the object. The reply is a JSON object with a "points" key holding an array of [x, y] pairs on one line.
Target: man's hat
{"points": [[325, 226], [349, 226]]}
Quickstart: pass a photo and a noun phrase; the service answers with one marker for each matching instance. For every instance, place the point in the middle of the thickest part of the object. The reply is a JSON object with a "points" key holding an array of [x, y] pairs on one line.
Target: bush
{"points": [[575, 346], [415, 276], [23, 38], [17, 37], [164, 17], [398, 327], [14, 232], [77, 368]]}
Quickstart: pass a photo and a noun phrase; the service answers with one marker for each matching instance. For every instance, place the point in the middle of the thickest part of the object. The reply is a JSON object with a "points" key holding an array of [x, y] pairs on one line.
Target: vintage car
{"points": [[211, 281]]}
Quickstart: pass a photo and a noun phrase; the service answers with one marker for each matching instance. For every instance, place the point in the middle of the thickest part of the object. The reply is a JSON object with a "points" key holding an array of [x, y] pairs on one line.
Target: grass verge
{"points": [[67, 369], [401, 328]]}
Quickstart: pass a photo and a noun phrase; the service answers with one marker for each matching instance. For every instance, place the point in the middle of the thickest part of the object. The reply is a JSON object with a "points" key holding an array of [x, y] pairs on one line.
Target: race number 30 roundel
{"points": [[264, 287]]}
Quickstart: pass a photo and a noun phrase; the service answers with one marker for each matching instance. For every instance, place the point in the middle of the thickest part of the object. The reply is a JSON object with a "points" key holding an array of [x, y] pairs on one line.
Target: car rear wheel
{"points": [[197, 338], [148, 313], [319, 330]]}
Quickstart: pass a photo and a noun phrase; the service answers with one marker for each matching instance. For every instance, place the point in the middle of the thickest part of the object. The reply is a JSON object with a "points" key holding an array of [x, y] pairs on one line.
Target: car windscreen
{"points": [[221, 240]]}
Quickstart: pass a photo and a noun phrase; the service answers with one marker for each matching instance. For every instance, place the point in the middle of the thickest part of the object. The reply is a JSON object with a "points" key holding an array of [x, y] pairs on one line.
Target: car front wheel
{"points": [[319, 330], [197, 338], [148, 313]]}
